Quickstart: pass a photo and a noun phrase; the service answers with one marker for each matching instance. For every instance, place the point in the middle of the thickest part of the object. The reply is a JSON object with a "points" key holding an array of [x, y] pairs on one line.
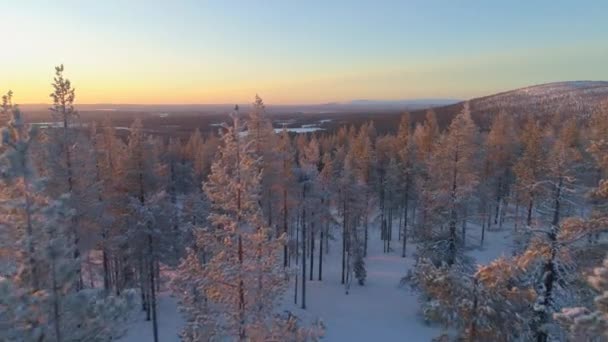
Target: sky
{"points": [[297, 52]]}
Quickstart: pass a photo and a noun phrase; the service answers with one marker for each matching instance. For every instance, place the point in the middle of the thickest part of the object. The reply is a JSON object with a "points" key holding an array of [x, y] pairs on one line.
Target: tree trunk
{"points": [[365, 233], [389, 234], [241, 290], [473, 328], [516, 212], [269, 208], [297, 256], [70, 181], [453, 215], [498, 197], [326, 238], [153, 290], [105, 261], [529, 217], [56, 304], [405, 213], [483, 232], [29, 230], [343, 241], [304, 248], [295, 292], [550, 274], [285, 251], [464, 228], [321, 256], [142, 287], [312, 249]]}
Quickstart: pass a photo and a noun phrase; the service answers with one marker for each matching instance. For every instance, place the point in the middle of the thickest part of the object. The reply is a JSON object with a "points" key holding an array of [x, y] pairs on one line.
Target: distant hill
{"points": [[578, 98], [350, 106], [410, 104]]}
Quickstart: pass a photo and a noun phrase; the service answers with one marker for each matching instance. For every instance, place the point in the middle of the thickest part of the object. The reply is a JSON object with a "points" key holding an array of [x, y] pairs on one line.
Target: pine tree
{"points": [[425, 139], [584, 324], [484, 305], [285, 155], [140, 183], [63, 110], [405, 156], [530, 166], [326, 190], [454, 172], [309, 159], [262, 136], [18, 172], [63, 96], [560, 179], [500, 150], [243, 276], [111, 152], [363, 158], [39, 298], [351, 212]]}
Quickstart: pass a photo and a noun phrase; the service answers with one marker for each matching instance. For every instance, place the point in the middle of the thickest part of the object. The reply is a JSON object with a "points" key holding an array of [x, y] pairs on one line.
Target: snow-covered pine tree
{"points": [[548, 252], [285, 185], [350, 209], [5, 111], [61, 146], [200, 151], [243, 277], [385, 151], [327, 188], [425, 139], [363, 163], [140, 183], [39, 300], [261, 133], [86, 315], [529, 168], [585, 324], [405, 154], [63, 111], [453, 173], [484, 305], [500, 146], [309, 159], [111, 154], [560, 162], [22, 190]]}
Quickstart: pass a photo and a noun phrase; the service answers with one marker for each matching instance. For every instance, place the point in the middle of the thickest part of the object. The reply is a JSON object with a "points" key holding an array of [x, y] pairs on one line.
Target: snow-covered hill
{"points": [[576, 97], [579, 98]]}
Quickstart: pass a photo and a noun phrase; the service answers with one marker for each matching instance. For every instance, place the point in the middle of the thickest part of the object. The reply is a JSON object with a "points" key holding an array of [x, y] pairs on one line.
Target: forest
{"points": [[94, 225]]}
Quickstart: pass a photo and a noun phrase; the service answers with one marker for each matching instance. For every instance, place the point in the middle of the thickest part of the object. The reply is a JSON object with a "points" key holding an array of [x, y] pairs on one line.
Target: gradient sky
{"points": [[132, 51]]}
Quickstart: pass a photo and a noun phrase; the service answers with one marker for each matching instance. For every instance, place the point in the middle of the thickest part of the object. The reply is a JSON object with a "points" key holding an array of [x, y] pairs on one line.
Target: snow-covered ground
{"points": [[381, 310], [169, 322]]}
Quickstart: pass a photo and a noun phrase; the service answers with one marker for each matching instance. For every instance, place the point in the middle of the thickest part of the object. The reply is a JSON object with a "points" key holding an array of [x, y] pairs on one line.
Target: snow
{"points": [[299, 129], [497, 243], [169, 322], [380, 310]]}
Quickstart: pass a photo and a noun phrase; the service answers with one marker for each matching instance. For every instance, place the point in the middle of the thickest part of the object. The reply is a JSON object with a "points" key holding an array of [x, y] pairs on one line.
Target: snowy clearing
{"points": [[380, 310]]}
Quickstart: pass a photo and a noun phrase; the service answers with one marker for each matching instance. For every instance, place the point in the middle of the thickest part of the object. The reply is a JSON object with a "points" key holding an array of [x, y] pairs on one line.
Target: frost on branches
{"points": [[487, 305], [585, 324], [234, 292], [38, 297]]}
